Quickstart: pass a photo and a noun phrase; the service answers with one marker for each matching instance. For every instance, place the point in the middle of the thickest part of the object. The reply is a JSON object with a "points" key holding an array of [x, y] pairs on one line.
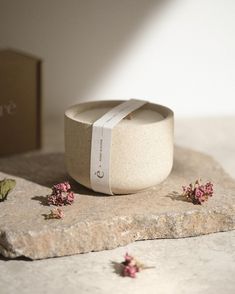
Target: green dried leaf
{"points": [[6, 186]]}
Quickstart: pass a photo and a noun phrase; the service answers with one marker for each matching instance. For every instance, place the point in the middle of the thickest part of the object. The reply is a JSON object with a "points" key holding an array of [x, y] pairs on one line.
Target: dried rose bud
{"points": [[69, 198], [61, 187], [198, 193], [128, 257], [131, 266], [130, 271], [61, 195]]}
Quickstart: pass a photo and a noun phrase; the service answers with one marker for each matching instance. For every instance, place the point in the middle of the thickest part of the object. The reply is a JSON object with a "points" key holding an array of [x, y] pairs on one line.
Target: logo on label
{"points": [[100, 174]]}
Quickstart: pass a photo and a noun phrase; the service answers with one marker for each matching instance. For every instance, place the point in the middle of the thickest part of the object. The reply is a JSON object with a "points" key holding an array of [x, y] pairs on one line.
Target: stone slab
{"points": [[96, 222]]}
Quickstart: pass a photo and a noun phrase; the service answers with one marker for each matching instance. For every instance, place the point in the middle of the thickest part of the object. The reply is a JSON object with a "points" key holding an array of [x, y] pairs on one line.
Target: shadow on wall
{"points": [[78, 40]]}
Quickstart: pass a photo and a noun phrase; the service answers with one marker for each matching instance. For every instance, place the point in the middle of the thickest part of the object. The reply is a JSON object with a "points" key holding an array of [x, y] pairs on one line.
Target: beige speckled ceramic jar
{"points": [[141, 151]]}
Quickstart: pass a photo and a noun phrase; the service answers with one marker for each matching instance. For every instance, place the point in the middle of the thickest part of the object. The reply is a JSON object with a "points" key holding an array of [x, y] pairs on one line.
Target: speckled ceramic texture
{"points": [[141, 155]]}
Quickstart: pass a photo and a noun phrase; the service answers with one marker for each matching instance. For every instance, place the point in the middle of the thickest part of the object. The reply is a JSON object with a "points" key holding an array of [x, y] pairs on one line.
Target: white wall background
{"points": [[180, 53]]}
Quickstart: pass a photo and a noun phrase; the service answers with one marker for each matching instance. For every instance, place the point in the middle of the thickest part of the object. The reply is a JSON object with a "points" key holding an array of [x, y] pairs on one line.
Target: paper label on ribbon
{"points": [[101, 144]]}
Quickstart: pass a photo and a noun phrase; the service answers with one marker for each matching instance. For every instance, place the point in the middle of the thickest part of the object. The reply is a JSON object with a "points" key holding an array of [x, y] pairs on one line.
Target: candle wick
{"points": [[129, 116]]}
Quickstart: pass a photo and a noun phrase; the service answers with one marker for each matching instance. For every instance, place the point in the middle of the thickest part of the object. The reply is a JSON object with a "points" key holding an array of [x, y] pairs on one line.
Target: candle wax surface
{"points": [[138, 117]]}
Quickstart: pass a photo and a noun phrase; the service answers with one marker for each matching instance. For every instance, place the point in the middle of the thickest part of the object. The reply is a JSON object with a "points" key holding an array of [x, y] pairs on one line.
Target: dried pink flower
{"points": [[61, 187], [130, 271], [61, 195], [70, 197], [55, 213], [131, 266], [198, 193]]}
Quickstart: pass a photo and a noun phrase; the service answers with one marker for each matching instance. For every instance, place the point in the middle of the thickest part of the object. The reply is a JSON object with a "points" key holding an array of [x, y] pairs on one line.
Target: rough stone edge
{"points": [[38, 245]]}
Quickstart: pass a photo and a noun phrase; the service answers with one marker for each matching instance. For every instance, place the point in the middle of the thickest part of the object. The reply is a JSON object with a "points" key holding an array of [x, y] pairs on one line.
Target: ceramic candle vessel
{"points": [[141, 149]]}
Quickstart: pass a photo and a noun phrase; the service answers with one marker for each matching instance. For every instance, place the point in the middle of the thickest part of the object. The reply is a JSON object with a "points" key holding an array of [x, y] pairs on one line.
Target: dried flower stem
{"points": [[129, 116]]}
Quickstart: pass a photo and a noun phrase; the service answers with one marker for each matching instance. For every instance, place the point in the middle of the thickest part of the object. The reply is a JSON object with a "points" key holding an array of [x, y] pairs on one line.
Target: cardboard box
{"points": [[20, 102]]}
